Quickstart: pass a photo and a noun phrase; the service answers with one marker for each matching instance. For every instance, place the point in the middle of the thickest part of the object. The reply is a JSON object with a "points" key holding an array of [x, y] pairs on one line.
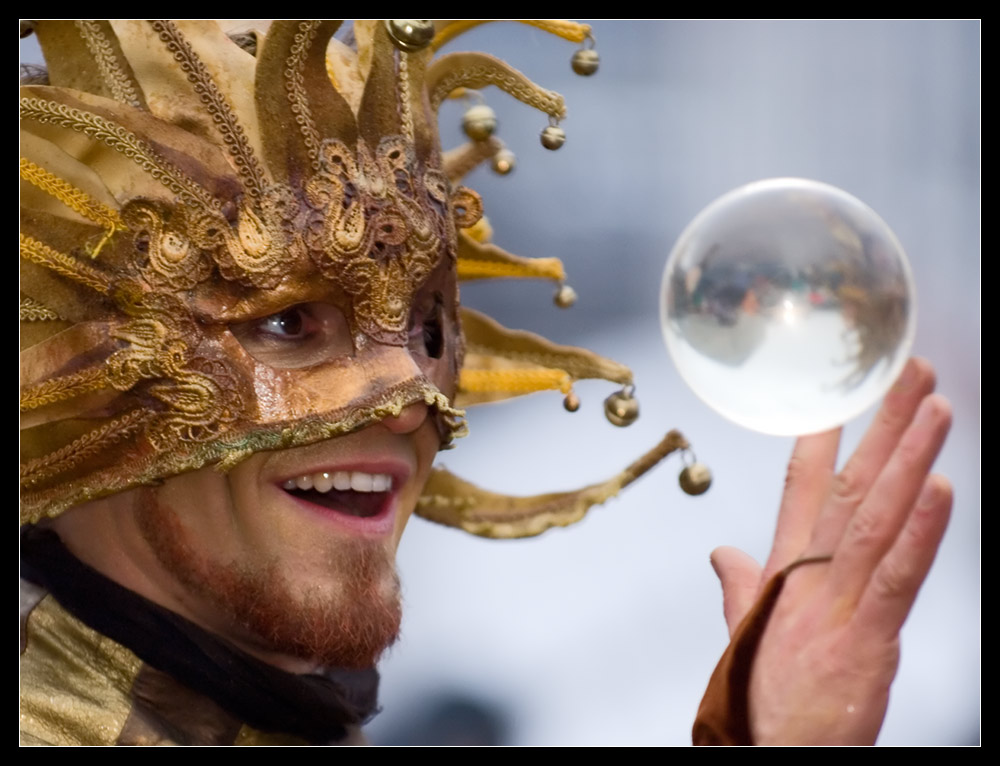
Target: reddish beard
{"points": [[349, 628]]}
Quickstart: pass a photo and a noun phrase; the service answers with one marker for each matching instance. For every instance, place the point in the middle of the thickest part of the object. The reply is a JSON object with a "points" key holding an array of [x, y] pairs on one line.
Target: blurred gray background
{"points": [[605, 633]]}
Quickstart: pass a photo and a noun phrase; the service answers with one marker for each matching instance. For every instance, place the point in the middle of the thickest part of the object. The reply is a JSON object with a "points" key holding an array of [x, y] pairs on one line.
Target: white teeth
{"points": [[361, 482], [322, 482], [342, 481]]}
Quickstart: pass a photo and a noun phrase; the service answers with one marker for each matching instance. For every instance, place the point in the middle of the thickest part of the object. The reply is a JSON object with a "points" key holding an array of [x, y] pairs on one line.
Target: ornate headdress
{"points": [[180, 187]]}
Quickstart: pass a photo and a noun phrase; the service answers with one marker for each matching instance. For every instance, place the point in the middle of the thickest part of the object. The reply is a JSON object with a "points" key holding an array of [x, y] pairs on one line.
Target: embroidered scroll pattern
{"points": [[31, 310], [372, 230], [117, 81], [509, 81], [123, 141], [216, 105], [78, 450], [295, 88]]}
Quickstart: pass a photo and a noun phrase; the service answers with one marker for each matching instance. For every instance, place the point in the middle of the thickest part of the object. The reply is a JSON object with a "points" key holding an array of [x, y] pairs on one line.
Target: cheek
{"points": [[426, 443]]}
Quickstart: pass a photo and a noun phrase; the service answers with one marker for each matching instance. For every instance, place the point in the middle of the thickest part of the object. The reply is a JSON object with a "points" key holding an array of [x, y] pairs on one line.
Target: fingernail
{"points": [[928, 495], [908, 376]]}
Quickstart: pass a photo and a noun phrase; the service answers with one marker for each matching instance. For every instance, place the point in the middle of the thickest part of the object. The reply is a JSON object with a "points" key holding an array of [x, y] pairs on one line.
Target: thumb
{"points": [[739, 575]]}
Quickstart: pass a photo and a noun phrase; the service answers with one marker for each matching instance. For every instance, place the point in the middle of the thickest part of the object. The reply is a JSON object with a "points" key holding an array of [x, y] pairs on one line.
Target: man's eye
{"points": [[299, 336], [288, 323]]}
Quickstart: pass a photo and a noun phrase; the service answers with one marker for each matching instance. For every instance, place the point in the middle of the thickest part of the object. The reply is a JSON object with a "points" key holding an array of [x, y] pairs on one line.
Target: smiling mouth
{"points": [[354, 493]]}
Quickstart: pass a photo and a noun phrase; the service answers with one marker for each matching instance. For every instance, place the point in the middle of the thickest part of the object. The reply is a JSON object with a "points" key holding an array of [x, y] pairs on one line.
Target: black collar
{"points": [[316, 708]]}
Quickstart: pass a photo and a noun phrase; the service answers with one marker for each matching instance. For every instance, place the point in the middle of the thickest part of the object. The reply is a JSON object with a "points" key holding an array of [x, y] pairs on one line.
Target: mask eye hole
{"points": [[299, 336], [426, 328]]}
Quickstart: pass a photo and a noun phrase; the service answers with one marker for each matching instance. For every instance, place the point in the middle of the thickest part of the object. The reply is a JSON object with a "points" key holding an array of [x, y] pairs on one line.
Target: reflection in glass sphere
{"points": [[788, 306]]}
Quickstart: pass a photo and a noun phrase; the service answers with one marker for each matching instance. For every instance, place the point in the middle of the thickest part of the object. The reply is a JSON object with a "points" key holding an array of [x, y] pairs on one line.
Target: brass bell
{"points": [[410, 35], [479, 122], [585, 61], [571, 402], [504, 162], [622, 408], [565, 297], [553, 137], [695, 479]]}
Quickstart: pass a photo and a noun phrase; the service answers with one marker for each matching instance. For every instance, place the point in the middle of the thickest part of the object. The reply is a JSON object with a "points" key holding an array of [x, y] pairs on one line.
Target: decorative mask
{"points": [[190, 204]]}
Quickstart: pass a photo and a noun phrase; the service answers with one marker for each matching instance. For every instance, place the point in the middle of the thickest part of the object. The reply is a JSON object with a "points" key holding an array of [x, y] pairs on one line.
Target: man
{"points": [[238, 266]]}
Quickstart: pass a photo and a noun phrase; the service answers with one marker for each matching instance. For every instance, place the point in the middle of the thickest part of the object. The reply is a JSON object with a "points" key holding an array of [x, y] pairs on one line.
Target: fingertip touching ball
{"points": [[788, 306]]}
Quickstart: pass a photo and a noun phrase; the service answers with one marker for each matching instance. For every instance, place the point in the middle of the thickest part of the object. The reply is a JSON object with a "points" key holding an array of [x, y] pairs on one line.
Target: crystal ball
{"points": [[788, 306]]}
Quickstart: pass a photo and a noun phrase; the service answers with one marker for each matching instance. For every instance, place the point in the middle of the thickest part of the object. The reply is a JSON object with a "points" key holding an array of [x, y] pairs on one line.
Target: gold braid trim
{"points": [[73, 198], [216, 105], [75, 452], [295, 88], [567, 30], [514, 381], [492, 71], [67, 266], [63, 387], [121, 140], [115, 78], [33, 311]]}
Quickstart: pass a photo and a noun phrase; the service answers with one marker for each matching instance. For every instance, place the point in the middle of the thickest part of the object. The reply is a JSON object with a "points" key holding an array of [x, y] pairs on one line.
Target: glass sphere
{"points": [[788, 306]]}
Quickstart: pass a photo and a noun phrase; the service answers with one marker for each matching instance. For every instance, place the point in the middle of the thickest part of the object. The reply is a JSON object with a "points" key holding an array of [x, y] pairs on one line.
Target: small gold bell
{"points": [[553, 137], [565, 297], [410, 35], [622, 408], [585, 61], [571, 402], [695, 479], [479, 122], [504, 161]]}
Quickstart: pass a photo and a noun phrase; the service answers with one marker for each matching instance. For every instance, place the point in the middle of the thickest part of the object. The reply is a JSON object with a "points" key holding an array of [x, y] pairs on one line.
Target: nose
{"points": [[409, 420]]}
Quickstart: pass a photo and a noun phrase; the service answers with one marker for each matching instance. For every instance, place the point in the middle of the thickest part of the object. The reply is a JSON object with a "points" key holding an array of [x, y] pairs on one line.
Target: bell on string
{"points": [[565, 297], [695, 479], [571, 402], [503, 162], [553, 137], [479, 122], [622, 408], [585, 62], [410, 35]]}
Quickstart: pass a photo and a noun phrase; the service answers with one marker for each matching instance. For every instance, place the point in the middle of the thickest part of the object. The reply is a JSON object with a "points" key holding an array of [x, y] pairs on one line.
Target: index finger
{"points": [[807, 486]]}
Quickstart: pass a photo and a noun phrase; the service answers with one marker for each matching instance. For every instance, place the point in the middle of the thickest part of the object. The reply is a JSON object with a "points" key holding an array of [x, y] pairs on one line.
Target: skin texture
{"points": [[831, 648], [237, 555]]}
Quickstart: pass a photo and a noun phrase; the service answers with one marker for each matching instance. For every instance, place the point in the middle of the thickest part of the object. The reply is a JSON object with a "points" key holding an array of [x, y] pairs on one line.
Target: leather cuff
{"points": [[724, 713]]}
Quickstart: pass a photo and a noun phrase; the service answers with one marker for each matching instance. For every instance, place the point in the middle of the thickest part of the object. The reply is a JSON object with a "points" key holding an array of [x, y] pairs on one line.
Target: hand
{"points": [[831, 648]]}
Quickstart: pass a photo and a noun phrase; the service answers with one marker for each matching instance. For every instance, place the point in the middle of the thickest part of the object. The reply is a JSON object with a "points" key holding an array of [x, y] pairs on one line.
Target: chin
{"points": [[346, 621]]}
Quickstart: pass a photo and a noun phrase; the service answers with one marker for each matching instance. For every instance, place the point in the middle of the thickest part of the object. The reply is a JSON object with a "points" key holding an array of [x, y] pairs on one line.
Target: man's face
{"points": [[290, 555], [282, 563]]}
